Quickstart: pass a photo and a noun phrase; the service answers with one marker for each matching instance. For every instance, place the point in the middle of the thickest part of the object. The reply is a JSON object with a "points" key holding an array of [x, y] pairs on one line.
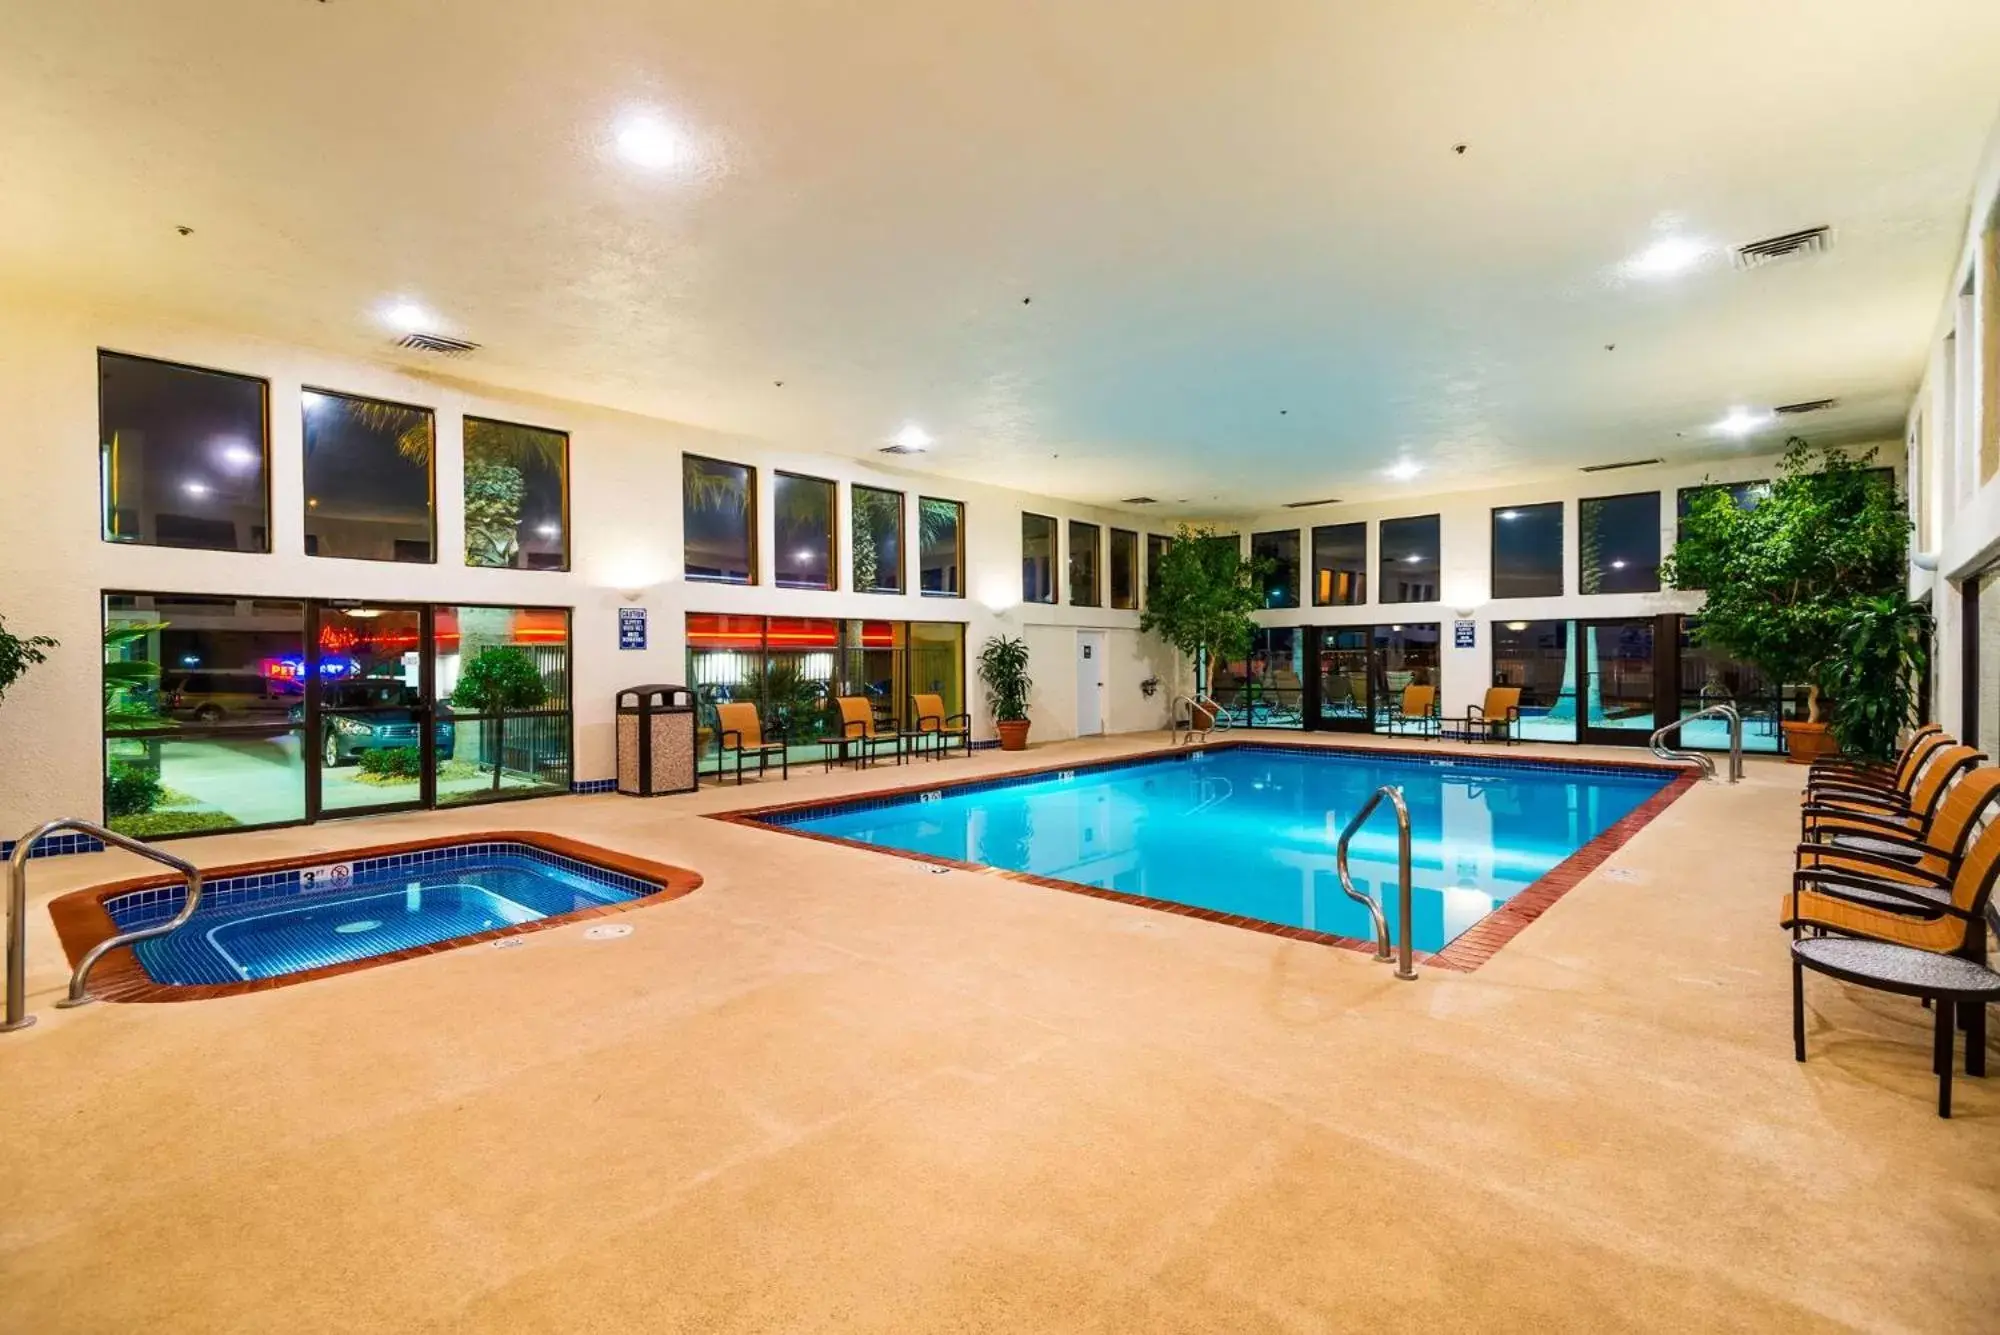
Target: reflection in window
{"points": [[1266, 690], [878, 540], [1528, 551], [184, 456], [1156, 551], [804, 519], [941, 547], [1281, 581], [204, 704], [515, 502], [1618, 548], [369, 478], [1038, 559], [502, 678], [1340, 565], [1124, 569], [1409, 560], [1535, 656], [1085, 588], [1709, 677], [719, 519]]}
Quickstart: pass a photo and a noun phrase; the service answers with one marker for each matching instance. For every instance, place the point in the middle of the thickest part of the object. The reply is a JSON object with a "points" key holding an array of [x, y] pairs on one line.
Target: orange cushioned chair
{"points": [[858, 733], [739, 730], [1417, 708], [936, 728]]}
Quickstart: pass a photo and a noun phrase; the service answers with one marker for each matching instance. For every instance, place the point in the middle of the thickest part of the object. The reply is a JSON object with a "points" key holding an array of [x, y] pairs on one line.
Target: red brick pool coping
{"points": [[1466, 952], [82, 921]]}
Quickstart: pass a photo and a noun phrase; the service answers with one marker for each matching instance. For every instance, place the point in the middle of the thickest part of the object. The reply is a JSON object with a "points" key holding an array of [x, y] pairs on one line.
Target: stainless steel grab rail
{"points": [[1665, 752], [1404, 968], [1218, 719], [17, 915]]}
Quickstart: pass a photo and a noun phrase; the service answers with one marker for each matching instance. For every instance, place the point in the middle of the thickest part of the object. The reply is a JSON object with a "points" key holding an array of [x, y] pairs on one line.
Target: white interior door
{"points": [[1089, 683]]}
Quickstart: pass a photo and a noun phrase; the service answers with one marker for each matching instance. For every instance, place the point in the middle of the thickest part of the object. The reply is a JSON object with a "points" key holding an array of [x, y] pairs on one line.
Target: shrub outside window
{"points": [[370, 476], [719, 520], [878, 540], [940, 547], [1281, 581], [516, 496]]}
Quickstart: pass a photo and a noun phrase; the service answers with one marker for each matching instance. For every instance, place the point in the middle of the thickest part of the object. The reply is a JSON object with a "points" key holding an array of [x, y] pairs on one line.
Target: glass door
{"points": [[1342, 665], [1403, 655], [1615, 680], [369, 721]]}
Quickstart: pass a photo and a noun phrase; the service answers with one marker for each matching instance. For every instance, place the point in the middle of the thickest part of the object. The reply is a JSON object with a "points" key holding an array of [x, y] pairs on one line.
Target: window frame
{"points": [[902, 538], [1436, 517], [1659, 505], [568, 556], [1110, 572], [1493, 523], [270, 495], [1096, 562], [1055, 559], [749, 515], [305, 512], [832, 584], [958, 559]]}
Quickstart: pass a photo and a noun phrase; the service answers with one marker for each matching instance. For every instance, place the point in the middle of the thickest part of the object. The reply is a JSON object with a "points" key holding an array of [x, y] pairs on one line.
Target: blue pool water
{"points": [[1251, 830], [265, 926]]}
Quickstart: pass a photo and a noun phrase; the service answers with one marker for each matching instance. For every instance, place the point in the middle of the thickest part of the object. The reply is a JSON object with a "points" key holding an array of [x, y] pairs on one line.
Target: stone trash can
{"points": [[656, 741]]}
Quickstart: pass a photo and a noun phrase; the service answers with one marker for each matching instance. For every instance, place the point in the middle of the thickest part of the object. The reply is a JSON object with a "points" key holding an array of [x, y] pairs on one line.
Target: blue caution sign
{"points": [[1464, 634], [631, 628]]}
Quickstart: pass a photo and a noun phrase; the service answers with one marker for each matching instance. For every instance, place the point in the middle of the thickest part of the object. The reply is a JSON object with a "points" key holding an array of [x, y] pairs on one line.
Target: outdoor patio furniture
{"points": [[936, 728], [1496, 719], [1416, 709], [1892, 794], [1830, 813], [740, 732], [862, 739]]}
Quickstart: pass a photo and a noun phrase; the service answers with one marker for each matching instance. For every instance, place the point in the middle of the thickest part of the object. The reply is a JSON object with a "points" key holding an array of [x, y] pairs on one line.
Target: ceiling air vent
{"points": [[1803, 406], [1790, 246], [1609, 468], [438, 343], [905, 449], [1307, 505], [1139, 500]]}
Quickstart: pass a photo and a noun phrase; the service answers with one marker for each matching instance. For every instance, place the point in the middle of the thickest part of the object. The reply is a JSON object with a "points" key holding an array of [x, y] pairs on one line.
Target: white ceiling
{"points": [[1221, 252]]}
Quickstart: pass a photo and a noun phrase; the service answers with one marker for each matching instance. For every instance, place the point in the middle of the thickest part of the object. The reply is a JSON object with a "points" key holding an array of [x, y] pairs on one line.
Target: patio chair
{"points": [[861, 739], [1840, 810], [1496, 719], [1416, 709], [741, 732], [1886, 790], [1874, 772], [938, 728], [1924, 845]]}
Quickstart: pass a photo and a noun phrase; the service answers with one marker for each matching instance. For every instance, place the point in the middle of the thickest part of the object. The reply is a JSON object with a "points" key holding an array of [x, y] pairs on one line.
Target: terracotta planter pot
{"points": [[1807, 742], [1013, 734]]}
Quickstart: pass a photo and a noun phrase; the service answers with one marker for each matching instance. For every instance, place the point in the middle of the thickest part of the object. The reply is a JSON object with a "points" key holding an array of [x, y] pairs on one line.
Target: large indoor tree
{"points": [[1201, 597]]}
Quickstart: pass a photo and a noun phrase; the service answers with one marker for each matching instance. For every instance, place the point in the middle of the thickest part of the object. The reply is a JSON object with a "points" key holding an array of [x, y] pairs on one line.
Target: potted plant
{"points": [[501, 679], [1003, 670], [1200, 602], [1786, 579]]}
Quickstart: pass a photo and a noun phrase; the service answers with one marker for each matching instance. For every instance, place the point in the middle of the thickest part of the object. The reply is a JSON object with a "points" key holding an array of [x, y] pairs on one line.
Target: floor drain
{"points": [[358, 925], [939, 871], [508, 943], [605, 931]]}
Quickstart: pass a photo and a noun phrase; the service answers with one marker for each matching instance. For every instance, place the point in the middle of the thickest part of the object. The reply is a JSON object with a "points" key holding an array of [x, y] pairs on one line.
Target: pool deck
{"points": [[830, 1090]]}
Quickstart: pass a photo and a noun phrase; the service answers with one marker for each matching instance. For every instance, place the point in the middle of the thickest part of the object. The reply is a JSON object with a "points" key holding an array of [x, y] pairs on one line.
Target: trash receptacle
{"points": [[656, 741]]}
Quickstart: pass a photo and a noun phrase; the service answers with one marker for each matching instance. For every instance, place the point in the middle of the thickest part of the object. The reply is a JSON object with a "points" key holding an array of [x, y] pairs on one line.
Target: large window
{"points": [[1618, 546], [1281, 581], [1745, 494], [204, 709], [370, 475], [184, 456], [941, 547], [1266, 690], [1038, 559], [878, 540], [1536, 657], [804, 520], [719, 520], [516, 496], [1340, 565], [1528, 551], [1409, 560], [1085, 553], [1124, 569], [509, 733], [1156, 551]]}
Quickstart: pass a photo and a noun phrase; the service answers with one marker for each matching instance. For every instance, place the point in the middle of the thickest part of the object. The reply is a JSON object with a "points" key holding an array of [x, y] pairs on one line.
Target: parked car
{"points": [[224, 697], [390, 714]]}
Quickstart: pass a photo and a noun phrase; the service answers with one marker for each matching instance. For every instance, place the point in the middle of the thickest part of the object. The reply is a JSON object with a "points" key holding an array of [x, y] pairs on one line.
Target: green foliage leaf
{"points": [[1003, 671], [1201, 599], [500, 679], [17, 655]]}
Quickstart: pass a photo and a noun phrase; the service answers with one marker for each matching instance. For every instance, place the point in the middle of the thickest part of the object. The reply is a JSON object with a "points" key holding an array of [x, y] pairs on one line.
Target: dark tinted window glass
{"points": [[1038, 558], [718, 510], [878, 540], [1124, 568], [1528, 551], [1281, 581], [940, 551], [1340, 565], [1409, 560], [368, 470], [1156, 547], [1084, 556], [1619, 543], [514, 496], [804, 521], [183, 456]]}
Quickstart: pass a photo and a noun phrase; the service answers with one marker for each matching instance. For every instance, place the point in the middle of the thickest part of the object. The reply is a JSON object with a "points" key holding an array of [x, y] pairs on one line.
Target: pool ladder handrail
{"points": [[1404, 968], [17, 915], [1218, 719], [1700, 758]]}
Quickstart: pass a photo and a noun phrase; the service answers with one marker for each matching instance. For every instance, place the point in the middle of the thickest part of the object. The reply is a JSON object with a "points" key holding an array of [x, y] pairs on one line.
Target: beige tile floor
{"points": [[830, 1091]]}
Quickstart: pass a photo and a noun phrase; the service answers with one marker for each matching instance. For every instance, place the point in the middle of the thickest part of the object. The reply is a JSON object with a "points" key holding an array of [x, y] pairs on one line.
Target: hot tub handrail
{"points": [[1404, 968], [17, 914]]}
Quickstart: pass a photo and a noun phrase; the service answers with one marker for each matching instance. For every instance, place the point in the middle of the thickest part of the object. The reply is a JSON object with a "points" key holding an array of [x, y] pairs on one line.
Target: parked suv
{"points": [[223, 697], [395, 715]]}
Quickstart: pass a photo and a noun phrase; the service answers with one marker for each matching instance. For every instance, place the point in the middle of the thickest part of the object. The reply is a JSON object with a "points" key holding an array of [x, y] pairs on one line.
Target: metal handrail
{"points": [[1218, 718], [17, 915], [1665, 752], [1404, 968]]}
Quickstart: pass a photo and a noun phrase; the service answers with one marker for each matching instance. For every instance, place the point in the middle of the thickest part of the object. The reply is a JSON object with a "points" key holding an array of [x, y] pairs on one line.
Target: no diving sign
{"points": [[327, 876]]}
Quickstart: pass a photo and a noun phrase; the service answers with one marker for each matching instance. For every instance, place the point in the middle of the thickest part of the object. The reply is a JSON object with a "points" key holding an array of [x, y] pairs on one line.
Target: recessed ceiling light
{"points": [[407, 316], [912, 437], [1667, 257], [646, 139], [1741, 422], [1405, 469]]}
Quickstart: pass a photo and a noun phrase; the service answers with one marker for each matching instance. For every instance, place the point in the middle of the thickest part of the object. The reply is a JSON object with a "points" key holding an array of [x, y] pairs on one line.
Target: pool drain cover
{"points": [[604, 931], [358, 925]]}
